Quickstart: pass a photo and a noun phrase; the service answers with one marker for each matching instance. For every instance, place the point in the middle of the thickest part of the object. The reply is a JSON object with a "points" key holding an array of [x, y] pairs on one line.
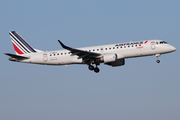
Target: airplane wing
{"points": [[16, 56], [81, 53]]}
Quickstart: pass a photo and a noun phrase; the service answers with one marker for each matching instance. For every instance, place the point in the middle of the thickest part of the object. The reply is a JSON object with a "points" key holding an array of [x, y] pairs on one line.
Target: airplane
{"points": [[112, 55]]}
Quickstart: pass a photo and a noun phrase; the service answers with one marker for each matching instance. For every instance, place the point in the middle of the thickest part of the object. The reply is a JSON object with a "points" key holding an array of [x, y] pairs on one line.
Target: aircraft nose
{"points": [[172, 48]]}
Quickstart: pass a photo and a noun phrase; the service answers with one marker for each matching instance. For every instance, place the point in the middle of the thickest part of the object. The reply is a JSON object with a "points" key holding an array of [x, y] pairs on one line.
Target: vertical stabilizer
{"points": [[20, 45]]}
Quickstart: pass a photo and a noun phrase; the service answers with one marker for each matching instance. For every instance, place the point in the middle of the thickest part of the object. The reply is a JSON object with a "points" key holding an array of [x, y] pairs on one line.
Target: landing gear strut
{"points": [[157, 57]]}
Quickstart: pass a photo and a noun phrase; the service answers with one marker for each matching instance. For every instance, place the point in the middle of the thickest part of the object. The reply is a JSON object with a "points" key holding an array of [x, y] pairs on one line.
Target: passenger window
{"points": [[97, 49], [128, 46], [109, 48], [139, 44], [117, 47], [113, 47], [93, 49], [61, 53], [106, 49], [58, 54]]}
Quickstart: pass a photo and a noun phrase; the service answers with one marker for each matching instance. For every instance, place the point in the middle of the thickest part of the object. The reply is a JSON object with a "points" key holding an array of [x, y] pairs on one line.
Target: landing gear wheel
{"points": [[158, 61], [91, 67], [157, 57], [96, 69]]}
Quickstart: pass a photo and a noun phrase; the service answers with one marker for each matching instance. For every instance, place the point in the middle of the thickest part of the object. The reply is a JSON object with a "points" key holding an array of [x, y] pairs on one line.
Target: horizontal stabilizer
{"points": [[16, 56]]}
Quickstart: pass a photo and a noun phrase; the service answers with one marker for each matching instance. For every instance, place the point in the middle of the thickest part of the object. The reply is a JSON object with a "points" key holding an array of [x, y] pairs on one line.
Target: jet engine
{"points": [[109, 57], [112, 60], [119, 62]]}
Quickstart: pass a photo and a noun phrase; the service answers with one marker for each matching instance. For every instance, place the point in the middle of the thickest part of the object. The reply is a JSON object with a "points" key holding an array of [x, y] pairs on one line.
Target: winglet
{"points": [[64, 46]]}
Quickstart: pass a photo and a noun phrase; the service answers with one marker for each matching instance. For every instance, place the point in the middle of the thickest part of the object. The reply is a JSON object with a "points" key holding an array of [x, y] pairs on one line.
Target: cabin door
{"points": [[153, 45], [45, 57]]}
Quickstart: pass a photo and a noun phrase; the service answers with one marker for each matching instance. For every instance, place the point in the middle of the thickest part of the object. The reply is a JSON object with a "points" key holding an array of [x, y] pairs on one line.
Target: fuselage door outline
{"points": [[45, 57], [153, 45]]}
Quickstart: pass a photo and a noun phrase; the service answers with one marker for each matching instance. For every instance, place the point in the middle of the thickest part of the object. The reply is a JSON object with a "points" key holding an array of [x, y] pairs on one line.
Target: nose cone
{"points": [[172, 48]]}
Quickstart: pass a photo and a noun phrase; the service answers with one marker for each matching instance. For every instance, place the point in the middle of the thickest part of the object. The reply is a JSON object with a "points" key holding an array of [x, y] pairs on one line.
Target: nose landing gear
{"points": [[158, 61], [157, 57]]}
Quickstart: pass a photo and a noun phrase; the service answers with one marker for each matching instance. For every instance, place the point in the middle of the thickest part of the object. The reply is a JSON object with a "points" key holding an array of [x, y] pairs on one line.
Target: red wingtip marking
{"points": [[17, 49]]}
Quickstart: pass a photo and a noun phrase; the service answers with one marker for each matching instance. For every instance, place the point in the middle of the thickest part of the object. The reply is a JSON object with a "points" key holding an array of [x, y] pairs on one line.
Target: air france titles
{"points": [[132, 43]]}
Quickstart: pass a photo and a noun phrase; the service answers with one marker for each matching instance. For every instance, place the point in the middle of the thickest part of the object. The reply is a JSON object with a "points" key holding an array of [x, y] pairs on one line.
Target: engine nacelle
{"points": [[109, 57], [119, 62]]}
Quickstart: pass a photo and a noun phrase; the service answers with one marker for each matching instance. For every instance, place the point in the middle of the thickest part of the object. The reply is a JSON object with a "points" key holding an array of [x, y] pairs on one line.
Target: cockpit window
{"points": [[163, 42]]}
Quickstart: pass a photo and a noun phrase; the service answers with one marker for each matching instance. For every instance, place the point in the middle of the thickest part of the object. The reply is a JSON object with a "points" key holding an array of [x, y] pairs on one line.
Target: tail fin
{"points": [[20, 45]]}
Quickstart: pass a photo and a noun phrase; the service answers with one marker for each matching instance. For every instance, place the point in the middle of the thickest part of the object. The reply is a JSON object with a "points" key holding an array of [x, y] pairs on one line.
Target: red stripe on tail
{"points": [[17, 49]]}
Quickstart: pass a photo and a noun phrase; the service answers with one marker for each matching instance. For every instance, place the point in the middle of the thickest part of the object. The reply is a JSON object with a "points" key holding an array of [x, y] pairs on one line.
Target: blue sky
{"points": [[140, 90]]}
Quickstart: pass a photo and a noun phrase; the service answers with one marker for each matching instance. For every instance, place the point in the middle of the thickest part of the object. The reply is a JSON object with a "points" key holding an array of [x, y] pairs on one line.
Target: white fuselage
{"points": [[123, 50]]}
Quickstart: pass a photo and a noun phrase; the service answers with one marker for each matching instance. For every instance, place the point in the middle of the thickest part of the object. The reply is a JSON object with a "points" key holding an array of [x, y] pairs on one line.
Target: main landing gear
{"points": [[96, 69], [157, 57]]}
